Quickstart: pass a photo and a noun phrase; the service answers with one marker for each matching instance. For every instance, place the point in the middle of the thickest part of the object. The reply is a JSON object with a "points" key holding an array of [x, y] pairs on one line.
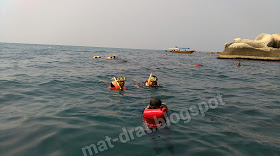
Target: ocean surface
{"points": [[53, 102]]}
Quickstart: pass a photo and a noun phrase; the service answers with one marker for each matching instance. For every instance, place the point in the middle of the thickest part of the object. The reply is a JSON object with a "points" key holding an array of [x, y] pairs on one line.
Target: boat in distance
{"points": [[180, 50]]}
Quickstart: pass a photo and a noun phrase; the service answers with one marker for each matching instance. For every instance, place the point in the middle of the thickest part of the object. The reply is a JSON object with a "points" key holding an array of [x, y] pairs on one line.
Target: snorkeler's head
{"points": [[122, 78], [153, 80], [155, 103]]}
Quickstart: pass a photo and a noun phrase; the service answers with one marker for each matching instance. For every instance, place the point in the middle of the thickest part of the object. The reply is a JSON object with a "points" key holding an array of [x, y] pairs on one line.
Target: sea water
{"points": [[53, 101]]}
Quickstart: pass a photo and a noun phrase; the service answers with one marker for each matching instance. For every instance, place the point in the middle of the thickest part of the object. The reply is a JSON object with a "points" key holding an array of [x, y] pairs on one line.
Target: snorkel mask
{"points": [[153, 78], [121, 78]]}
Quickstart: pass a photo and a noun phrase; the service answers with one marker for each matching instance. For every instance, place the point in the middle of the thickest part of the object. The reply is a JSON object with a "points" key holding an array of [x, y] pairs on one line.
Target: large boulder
{"points": [[248, 43], [266, 39], [276, 38], [265, 47]]}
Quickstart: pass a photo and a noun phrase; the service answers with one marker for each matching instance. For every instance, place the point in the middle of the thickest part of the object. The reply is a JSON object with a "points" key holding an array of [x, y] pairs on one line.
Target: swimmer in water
{"points": [[238, 64], [155, 129], [96, 57], [117, 83], [114, 58], [156, 103], [150, 82], [111, 58]]}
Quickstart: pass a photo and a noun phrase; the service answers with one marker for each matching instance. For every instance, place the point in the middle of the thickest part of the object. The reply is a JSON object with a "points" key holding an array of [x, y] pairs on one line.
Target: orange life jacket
{"points": [[150, 114], [116, 86]]}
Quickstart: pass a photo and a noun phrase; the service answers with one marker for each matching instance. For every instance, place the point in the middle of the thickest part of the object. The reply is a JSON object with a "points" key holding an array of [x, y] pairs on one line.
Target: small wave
{"points": [[100, 51], [83, 51]]}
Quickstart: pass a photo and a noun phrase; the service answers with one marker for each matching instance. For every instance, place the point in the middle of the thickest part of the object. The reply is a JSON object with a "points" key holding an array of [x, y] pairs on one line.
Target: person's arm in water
{"points": [[105, 82], [137, 86], [108, 85], [136, 80], [165, 106]]}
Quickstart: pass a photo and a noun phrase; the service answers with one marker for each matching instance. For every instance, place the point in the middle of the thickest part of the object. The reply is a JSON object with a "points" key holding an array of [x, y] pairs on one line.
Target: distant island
{"points": [[264, 47]]}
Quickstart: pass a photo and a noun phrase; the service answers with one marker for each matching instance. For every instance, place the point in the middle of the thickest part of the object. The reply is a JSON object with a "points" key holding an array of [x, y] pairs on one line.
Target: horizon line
{"points": [[74, 45]]}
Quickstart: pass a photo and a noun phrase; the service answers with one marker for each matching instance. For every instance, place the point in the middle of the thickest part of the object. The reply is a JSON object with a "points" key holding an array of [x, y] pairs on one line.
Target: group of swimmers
{"points": [[107, 58], [156, 109], [119, 83]]}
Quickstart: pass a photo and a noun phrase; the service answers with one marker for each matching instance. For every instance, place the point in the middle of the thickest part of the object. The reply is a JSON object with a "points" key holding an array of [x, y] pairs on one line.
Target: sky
{"points": [[203, 25]]}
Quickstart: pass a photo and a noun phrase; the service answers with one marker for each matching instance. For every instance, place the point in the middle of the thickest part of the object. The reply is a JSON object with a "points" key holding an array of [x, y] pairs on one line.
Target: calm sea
{"points": [[53, 102]]}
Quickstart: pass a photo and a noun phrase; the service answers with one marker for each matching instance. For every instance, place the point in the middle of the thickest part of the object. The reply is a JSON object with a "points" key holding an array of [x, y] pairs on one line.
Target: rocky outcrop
{"points": [[276, 38], [264, 47]]}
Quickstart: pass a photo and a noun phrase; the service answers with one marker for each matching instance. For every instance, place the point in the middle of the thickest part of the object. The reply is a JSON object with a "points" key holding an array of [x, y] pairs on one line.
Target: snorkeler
{"points": [[155, 129], [238, 64], [155, 108], [150, 82], [118, 84], [111, 58], [96, 57]]}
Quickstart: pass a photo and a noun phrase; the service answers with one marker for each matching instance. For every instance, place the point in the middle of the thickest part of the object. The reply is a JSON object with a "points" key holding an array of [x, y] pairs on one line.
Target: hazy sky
{"points": [[146, 24]]}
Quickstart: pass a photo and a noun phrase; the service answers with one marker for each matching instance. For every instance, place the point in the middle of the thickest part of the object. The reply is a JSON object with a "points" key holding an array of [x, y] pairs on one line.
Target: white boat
{"points": [[171, 49], [180, 50]]}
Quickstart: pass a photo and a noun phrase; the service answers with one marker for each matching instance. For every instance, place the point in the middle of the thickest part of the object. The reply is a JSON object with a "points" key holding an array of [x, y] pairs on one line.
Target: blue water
{"points": [[53, 101]]}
